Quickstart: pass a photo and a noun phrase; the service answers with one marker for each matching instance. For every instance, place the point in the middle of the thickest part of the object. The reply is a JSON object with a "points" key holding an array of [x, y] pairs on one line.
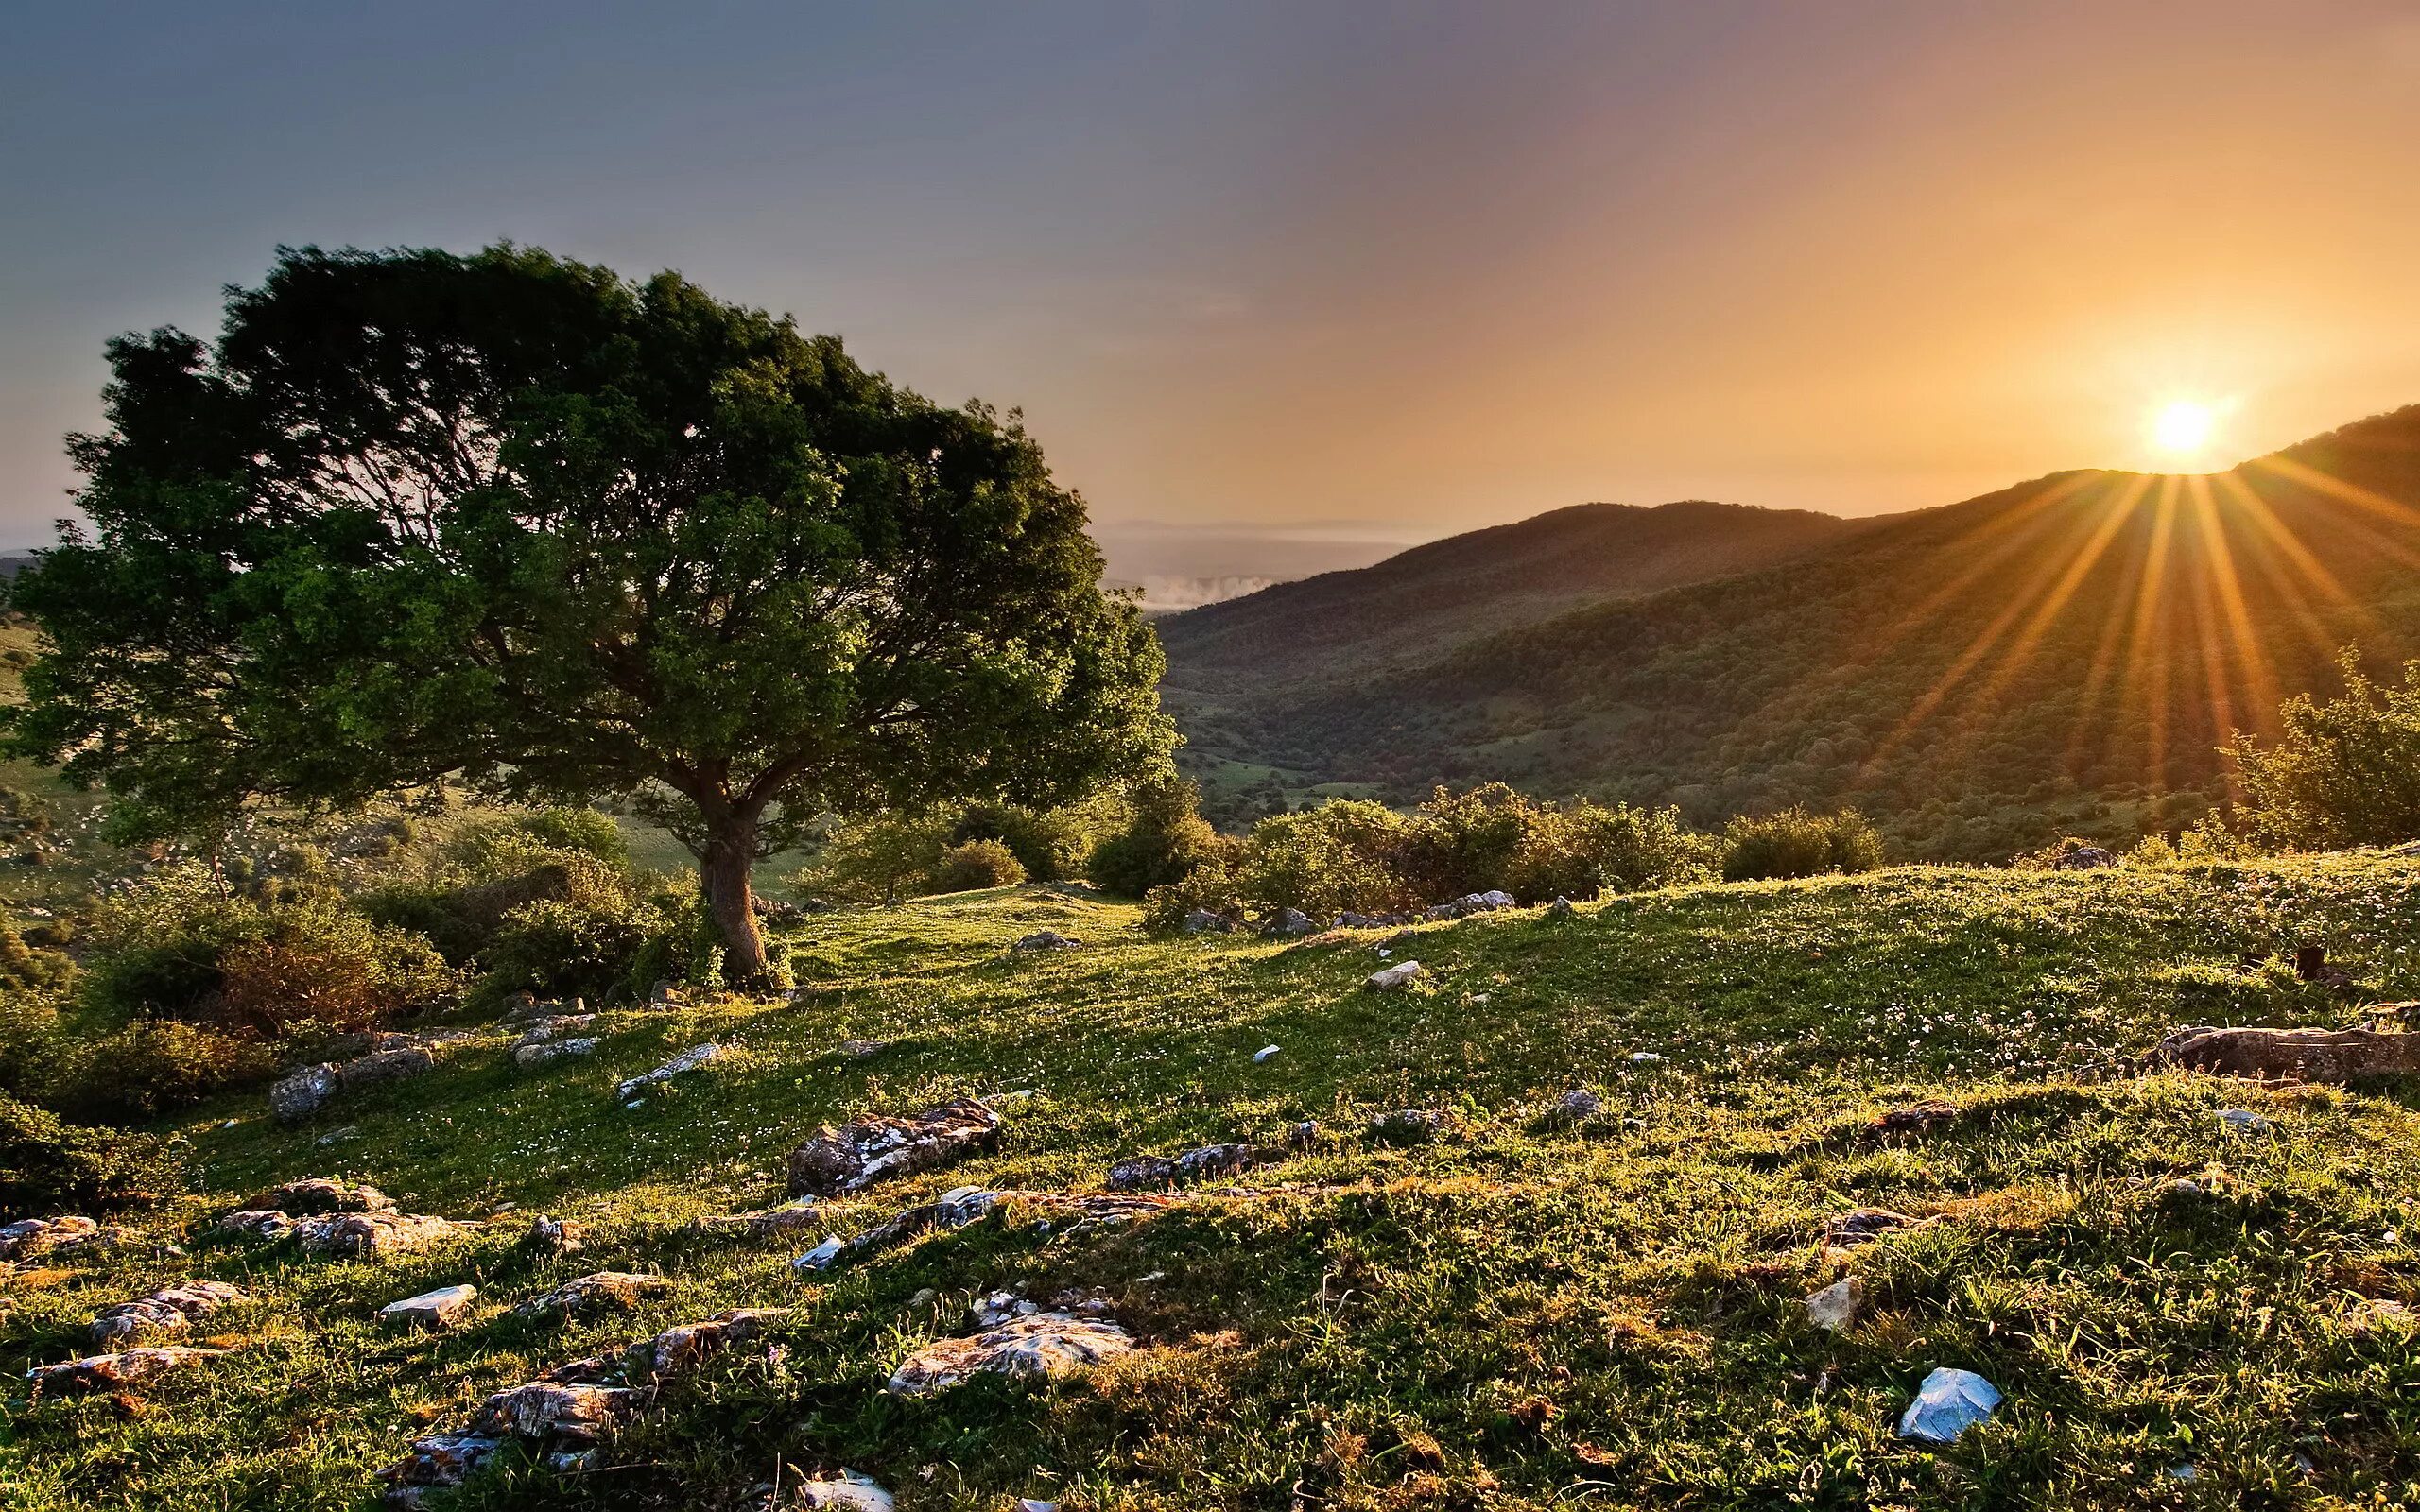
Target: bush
{"points": [[330, 967], [1347, 854], [1047, 843], [2342, 773], [1213, 886], [1584, 849], [48, 1166], [30, 1051], [1797, 843], [1459, 843], [977, 863], [156, 1065], [878, 859], [1165, 841]]}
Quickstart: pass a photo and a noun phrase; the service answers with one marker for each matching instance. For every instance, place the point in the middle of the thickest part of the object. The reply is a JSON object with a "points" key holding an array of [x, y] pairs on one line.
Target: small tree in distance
{"points": [[513, 519]]}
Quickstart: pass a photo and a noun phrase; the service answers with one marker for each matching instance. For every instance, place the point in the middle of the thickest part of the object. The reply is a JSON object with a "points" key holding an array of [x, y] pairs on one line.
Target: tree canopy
{"points": [[516, 519]]}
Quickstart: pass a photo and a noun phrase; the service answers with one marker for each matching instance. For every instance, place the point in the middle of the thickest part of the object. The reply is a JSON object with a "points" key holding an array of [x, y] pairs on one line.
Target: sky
{"points": [[1332, 274]]}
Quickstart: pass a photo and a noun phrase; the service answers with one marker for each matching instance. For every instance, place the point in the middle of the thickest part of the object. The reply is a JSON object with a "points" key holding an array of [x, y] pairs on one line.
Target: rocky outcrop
{"points": [[323, 1193], [1207, 1163], [533, 1055], [122, 1371], [30, 1237], [304, 1092], [1287, 923], [169, 1310], [2290, 1054], [1046, 939], [1469, 903], [1043, 1344], [569, 1410], [1203, 921], [878, 1148], [1864, 1225], [600, 1292], [343, 1235], [688, 1060]]}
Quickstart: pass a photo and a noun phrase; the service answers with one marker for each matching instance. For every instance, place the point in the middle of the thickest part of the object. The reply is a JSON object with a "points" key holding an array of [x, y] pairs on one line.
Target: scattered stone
{"points": [[354, 1235], [1916, 1118], [555, 1025], [876, 1147], [299, 1095], [1030, 1503], [1203, 921], [1046, 939], [1263, 1053], [1399, 975], [323, 1193], [2085, 858], [1561, 908], [682, 1349], [763, 1223], [2242, 1121], [530, 1057], [445, 1308], [954, 1209], [1150, 1173], [1645, 1057], [1865, 1224], [688, 1060], [557, 1236], [1287, 923], [336, 1136], [386, 1065], [543, 1410], [1577, 1104], [2374, 1313], [1836, 1306], [251, 1223], [28, 1237], [121, 1371], [1469, 903], [169, 1310], [860, 1048], [2290, 1054], [1407, 1126], [1948, 1403], [1044, 1344], [1349, 920], [596, 1293], [438, 1462], [846, 1492]]}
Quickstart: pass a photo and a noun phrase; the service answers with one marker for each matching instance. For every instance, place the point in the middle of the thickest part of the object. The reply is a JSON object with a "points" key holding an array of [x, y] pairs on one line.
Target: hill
{"points": [[1426, 600], [1522, 1311], [2063, 655]]}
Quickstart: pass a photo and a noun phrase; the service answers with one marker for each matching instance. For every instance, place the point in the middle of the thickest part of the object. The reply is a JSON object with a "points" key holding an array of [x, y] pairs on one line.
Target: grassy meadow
{"points": [[1523, 1314]]}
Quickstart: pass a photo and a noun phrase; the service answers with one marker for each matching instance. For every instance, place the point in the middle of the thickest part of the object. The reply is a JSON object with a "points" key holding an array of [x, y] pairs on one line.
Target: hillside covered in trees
{"points": [[2068, 653]]}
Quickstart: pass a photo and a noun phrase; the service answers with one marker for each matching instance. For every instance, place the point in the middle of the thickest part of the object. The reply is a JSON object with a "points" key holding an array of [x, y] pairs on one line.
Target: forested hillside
{"points": [[2066, 654]]}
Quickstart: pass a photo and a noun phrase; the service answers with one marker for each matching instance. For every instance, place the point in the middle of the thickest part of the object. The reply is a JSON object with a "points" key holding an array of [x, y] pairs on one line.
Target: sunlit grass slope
{"points": [[1521, 1314]]}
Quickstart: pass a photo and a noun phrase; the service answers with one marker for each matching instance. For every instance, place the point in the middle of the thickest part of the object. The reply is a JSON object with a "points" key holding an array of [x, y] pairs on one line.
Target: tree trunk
{"points": [[722, 871]]}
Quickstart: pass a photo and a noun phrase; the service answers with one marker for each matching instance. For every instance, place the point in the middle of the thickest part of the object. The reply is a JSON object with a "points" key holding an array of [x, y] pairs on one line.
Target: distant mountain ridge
{"points": [[2065, 653], [1418, 602]]}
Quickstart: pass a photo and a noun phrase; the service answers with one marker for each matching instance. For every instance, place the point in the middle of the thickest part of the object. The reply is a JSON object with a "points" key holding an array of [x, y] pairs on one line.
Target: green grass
{"points": [[1519, 1315]]}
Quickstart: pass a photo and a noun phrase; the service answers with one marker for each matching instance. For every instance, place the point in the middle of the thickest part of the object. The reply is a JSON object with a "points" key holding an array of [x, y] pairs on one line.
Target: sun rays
{"points": [[2186, 605]]}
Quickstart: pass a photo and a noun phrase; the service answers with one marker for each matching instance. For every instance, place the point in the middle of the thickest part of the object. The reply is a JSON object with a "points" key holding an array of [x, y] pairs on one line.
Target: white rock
{"points": [[1396, 977], [1834, 1307], [1948, 1403], [1263, 1053], [2242, 1120], [850, 1492], [443, 1308], [1645, 1057], [822, 1257], [689, 1060]]}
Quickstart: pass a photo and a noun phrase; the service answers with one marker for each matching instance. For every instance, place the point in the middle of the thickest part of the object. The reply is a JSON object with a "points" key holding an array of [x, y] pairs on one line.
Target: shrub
{"points": [[1584, 849], [1047, 843], [1213, 886], [2342, 773], [977, 863], [1164, 841], [21, 965], [331, 966], [30, 1051], [1797, 843], [156, 1065], [877, 859], [50, 1166], [1459, 843], [1347, 854]]}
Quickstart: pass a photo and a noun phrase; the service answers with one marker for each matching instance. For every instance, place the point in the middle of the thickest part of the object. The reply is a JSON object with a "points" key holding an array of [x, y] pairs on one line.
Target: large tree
{"points": [[518, 520]]}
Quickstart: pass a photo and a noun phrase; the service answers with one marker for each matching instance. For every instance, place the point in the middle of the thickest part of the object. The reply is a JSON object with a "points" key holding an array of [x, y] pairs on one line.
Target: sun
{"points": [[2183, 428]]}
